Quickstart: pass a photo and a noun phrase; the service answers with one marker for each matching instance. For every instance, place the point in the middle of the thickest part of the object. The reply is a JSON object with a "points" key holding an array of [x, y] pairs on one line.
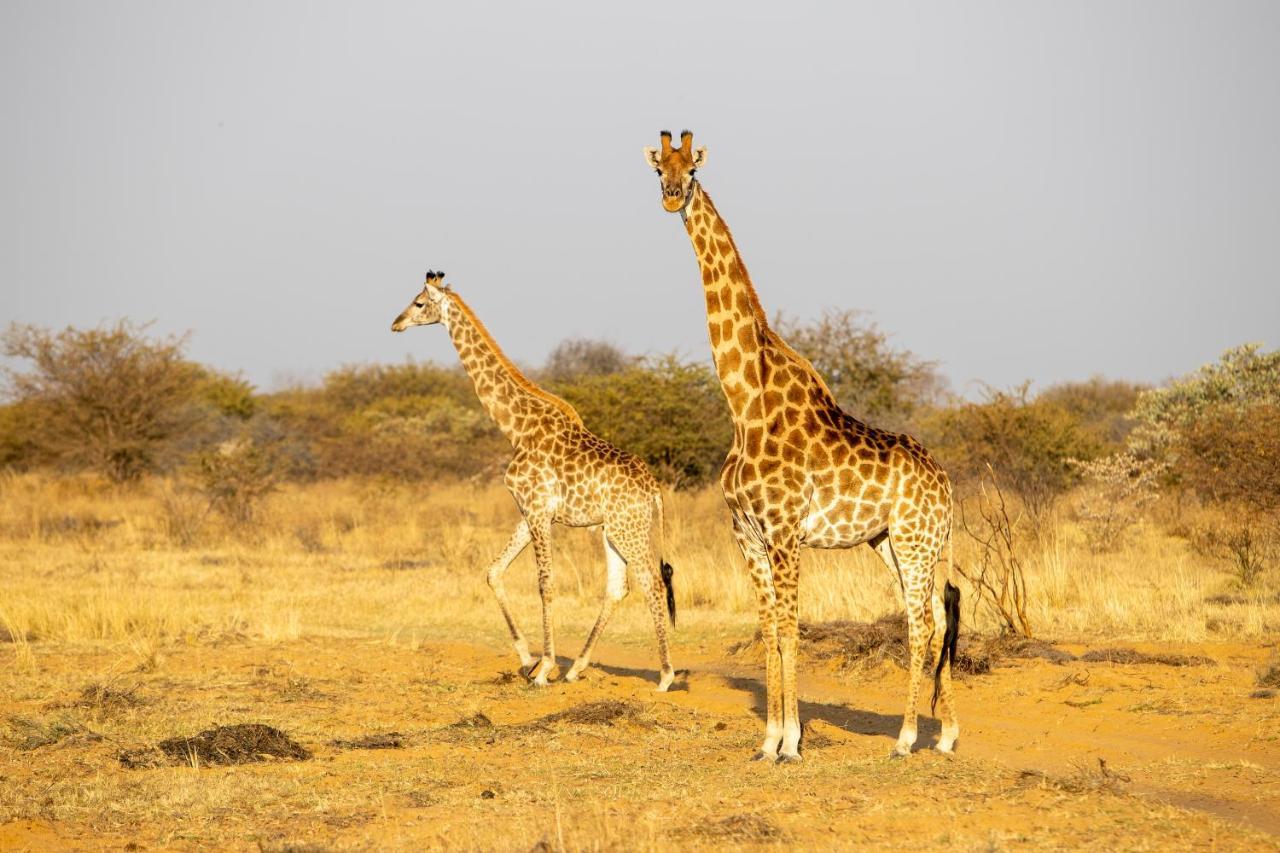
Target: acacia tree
{"points": [[575, 358], [108, 398], [869, 377], [1242, 377]]}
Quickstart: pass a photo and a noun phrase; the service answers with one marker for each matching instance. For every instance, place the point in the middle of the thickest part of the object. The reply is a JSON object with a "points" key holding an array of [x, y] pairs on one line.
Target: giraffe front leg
{"points": [[766, 602], [545, 668], [615, 591], [773, 685], [519, 539], [786, 584], [772, 665]]}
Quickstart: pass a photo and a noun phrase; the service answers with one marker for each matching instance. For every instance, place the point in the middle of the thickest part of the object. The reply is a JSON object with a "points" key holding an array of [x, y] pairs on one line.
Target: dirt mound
{"points": [[27, 734], [244, 743], [1129, 656], [605, 712], [869, 643], [1013, 646], [602, 713], [390, 740], [109, 697], [478, 720], [741, 828]]}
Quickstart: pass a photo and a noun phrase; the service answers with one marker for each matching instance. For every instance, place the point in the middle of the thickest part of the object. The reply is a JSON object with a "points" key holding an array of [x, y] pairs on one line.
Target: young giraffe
{"points": [[560, 473], [802, 472]]}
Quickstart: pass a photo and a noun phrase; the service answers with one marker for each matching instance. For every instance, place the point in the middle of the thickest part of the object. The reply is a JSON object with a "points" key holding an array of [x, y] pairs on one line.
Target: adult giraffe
{"points": [[560, 473], [802, 472]]}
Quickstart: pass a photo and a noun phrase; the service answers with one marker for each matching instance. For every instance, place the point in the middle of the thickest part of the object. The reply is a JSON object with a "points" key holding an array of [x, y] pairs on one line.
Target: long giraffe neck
{"points": [[736, 322], [514, 402]]}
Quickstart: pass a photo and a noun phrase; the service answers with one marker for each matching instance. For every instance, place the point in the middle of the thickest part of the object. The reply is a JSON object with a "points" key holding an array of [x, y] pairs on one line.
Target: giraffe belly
{"points": [[841, 523]]}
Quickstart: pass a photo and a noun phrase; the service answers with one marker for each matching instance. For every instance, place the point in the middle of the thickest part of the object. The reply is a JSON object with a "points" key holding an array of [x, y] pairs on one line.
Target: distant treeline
{"points": [[126, 404]]}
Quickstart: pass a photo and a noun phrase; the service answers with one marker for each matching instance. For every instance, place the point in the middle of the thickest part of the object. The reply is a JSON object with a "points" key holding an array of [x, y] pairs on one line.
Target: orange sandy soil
{"points": [[1191, 760]]}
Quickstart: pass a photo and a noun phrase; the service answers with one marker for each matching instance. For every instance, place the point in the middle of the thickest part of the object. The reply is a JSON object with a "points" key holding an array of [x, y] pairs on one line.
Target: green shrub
{"points": [[1029, 444], [670, 413]]}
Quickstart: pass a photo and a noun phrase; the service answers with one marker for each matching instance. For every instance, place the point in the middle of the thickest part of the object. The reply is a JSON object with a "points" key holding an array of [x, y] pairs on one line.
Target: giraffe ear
{"points": [[700, 157], [651, 157]]}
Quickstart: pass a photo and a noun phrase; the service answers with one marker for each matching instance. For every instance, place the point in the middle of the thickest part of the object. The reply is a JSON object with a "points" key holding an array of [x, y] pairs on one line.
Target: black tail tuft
{"points": [[950, 604], [667, 572]]}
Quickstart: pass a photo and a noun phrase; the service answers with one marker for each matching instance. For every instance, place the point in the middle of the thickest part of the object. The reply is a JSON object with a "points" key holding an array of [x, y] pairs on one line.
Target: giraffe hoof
{"points": [[764, 756], [784, 758], [541, 672], [571, 675]]}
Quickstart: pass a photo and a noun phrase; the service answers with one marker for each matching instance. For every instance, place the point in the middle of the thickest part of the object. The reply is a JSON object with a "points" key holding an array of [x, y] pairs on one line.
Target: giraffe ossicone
{"points": [[560, 473], [804, 473]]}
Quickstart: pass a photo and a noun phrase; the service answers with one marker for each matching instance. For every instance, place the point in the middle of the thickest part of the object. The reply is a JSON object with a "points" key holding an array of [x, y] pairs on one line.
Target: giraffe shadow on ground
{"points": [[843, 717], [680, 685]]}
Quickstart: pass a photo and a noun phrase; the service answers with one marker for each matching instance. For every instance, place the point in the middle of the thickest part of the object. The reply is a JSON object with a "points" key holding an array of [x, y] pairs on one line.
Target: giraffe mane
{"points": [[517, 376]]}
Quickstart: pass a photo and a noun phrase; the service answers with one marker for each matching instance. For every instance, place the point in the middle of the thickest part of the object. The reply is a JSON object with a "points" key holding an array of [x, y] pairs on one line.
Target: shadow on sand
{"points": [[841, 716]]}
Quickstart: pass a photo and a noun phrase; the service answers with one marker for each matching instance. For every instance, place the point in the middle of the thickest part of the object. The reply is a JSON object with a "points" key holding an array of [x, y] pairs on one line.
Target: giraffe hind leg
{"points": [[946, 612], [615, 592], [915, 573], [632, 543]]}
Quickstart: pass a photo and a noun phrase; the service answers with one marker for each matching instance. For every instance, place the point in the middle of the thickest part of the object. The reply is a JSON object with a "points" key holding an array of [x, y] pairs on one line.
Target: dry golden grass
{"points": [[85, 562]]}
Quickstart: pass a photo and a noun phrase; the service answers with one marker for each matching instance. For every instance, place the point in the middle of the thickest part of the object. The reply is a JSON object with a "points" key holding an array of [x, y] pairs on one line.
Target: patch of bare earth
{"points": [[416, 748]]}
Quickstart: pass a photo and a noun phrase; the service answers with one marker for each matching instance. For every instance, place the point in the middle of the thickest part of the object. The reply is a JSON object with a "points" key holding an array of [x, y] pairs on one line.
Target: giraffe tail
{"points": [[950, 638], [666, 570]]}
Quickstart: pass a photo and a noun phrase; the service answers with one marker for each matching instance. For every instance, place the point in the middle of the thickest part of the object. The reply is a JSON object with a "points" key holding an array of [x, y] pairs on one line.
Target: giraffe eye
{"points": [[420, 304]]}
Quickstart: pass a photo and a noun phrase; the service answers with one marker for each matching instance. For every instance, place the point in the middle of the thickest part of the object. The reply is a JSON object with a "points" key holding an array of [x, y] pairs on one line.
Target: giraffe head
{"points": [[675, 168], [428, 307]]}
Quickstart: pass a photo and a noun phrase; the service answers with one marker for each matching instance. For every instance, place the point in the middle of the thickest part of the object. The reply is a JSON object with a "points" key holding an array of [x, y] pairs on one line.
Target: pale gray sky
{"points": [[1017, 190]]}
